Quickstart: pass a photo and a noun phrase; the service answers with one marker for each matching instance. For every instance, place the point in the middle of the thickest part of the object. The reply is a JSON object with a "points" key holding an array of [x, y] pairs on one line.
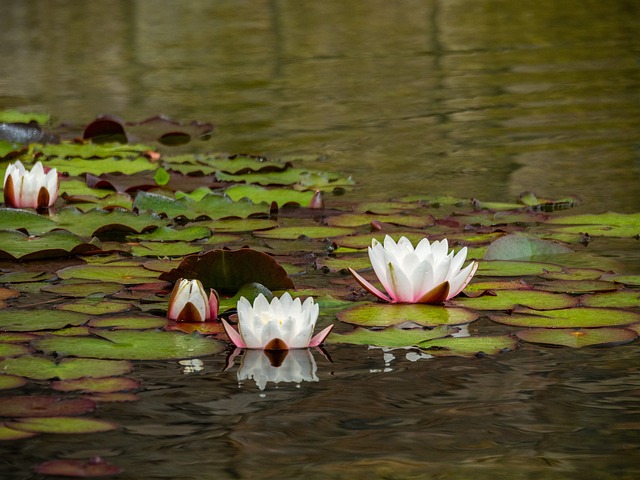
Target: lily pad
{"points": [[519, 246], [84, 289], [57, 243], [280, 196], [96, 385], [26, 320], [93, 307], [129, 322], [292, 233], [164, 234], [123, 274], [25, 277], [32, 222], [619, 299], [470, 346], [581, 317], [578, 338], [631, 280], [605, 224], [514, 268], [227, 271], [509, 299], [390, 337], [44, 406], [13, 350], [575, 286], [95, 467], [132, 345], [40, 368], [8, 382], [384, 315], [61, 425], [9, 434], [162, 249]]}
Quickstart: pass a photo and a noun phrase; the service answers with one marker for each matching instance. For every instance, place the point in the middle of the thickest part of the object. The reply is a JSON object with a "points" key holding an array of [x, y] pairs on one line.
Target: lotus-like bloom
{"points": [[189, 302], [283, 324], [426, 274], [30, 189]]}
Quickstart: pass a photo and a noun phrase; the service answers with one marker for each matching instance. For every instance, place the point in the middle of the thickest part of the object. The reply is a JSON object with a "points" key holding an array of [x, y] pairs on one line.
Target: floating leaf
{"points": [[619, 299], [96, 385], [575, 286], [281, 196], [8, 382], [514, 268], [227, 271], [318, 231], [61, 425], [631, 280], [509, 299], [161, 249], [578, 338], [32, 320], [604, 224], [32, 222], [470, 346], [132, 345], [44, 406], [25, 277], [582, 317], [83, 290], [7, 433], [383, 315], [125, 275], [13, 350], [113, 224], [519, 246], [95, 467], [166, 234], [93, 307], [39, 368], [57, 243], [129, 322], [390, 337]]}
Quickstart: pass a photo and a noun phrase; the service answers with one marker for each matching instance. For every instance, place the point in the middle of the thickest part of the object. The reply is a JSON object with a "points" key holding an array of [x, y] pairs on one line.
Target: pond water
{"points": [[469, 98]]}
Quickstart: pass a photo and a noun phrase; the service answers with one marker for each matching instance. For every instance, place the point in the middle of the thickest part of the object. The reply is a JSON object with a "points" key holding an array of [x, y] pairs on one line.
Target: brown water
{"points": [[471, 98]]}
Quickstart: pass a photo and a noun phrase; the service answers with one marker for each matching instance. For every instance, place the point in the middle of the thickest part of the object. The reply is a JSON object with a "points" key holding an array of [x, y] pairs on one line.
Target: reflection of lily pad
{"points": [[383, 315], [390, 337], [582, 317], [132, 345], [578, 338]]}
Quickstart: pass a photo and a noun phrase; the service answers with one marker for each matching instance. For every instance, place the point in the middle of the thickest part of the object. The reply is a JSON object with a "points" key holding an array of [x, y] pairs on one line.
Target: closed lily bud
{"points": [[30, 189], [189, 302]]}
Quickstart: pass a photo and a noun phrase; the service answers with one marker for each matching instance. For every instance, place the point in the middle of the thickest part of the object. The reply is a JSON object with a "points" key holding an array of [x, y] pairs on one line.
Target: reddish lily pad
{"points": [[578, 338], [581, 317], [95, 467], [27, 320], [132, 345], [96, 385], [509, 299], [39, 368], [62, 425], [44, 406], [390, 337], [6, 293], [383, 315], [470, 346], [227, 271]]}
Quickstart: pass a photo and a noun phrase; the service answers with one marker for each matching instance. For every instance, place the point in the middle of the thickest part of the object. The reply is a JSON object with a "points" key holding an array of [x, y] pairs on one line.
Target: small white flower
{"points": [[426, 274], [30, 189], [189, 302], [283, 324]]}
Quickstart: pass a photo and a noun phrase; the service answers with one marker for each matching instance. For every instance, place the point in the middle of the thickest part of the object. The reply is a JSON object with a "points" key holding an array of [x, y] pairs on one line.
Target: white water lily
{"points": [[189, 302], [427, 274], [283, 324], [30, 189]]}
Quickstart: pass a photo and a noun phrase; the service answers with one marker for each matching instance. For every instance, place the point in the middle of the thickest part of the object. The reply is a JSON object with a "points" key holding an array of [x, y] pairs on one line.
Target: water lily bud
{"points": [[283, 324], [30, 189], [427, 274], [189, 302]]}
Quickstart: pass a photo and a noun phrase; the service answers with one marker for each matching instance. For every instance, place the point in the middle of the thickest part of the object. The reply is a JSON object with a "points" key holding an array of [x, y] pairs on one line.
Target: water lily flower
{"points": [[30, 189], [189, 302], [283, 324], [426, 274]]}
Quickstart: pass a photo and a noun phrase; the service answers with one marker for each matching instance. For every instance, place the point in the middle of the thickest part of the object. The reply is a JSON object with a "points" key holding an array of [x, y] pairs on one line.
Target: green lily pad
{"points": [[164, 234], [129, 322], [57, 243], [390, 337], [600, 225], [227, 271], [132, 345], [344, 262], [384, 315], [619, 299], [125, 275], [13, 350], [96, 385], [61, 425], [241, 225], [10, 434], [359, 219], [292, 233], [257, 194], [75, 167], [162, 249], [93, 307], [519, 246], [470, 346], [106, 224], [84, 289], [514, 268], [631, 280], [8, 382], [40, 368], [574, 274], [576, 286], [476, 288], [44, 406], [578, 338], [509, 299], [32, 222], [25, 277], [581, 317], [25, 320]]}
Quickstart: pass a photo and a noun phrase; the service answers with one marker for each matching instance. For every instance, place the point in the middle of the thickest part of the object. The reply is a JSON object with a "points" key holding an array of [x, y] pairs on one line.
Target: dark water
{"points": [[471, 98]]}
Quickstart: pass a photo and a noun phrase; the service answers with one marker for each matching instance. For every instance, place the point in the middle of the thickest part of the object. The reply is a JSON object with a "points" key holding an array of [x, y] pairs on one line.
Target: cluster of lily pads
{"points": [[86, 280]]}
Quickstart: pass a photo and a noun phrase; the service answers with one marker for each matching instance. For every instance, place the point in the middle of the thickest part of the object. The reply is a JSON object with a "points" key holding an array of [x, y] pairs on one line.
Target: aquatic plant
{"points": [[30, 189], [189, 302]]}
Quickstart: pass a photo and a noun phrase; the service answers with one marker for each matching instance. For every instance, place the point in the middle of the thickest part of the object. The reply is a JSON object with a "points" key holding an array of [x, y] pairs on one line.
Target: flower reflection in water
{"points": [[277, 366]]}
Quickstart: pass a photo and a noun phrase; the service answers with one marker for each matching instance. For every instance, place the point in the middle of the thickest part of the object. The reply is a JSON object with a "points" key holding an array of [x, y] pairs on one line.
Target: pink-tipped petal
{"points": [[213, 304], [466, 282], [368, 287], [319, 337], [233, 335]]}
